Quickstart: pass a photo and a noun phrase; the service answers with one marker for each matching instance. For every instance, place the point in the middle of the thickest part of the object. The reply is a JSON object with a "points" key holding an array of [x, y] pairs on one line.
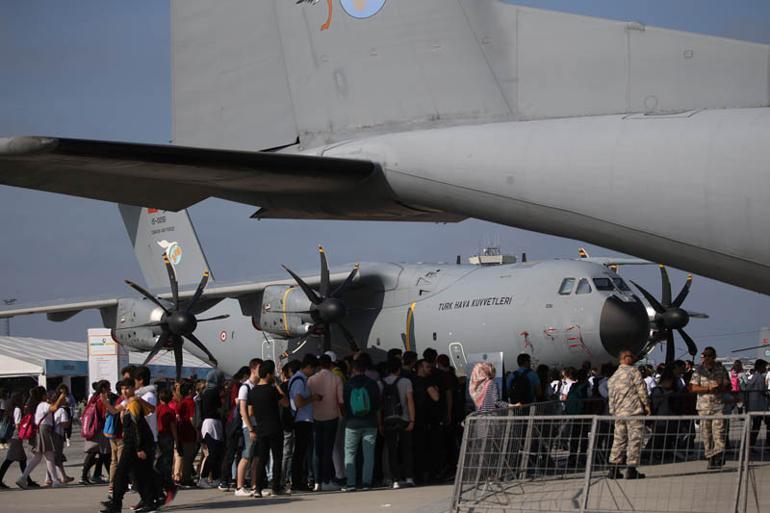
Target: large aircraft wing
{"points": [[59, 311], [173, 178]]}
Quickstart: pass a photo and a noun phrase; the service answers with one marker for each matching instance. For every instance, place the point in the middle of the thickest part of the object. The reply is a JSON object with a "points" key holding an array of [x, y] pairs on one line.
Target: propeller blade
{"points": [[217, 318], [665, 298], [349, 336], [650, 298], [146, 294], [326, 338], [309, 292], [324, 288], [691, 347], [683, 294], [192, 338], [172, 280], [198, 291], [697, 315], [178, 360], [160, 344], [345, 284], [308, 312], [670, 348], [749, 348]]}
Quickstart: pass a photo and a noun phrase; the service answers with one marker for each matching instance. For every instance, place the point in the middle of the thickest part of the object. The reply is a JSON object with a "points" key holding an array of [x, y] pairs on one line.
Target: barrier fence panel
{"points": [[523, 460]]}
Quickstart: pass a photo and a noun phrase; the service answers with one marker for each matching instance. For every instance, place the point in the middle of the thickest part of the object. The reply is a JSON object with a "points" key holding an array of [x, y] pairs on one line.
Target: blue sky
{"points": [[100, 69]]}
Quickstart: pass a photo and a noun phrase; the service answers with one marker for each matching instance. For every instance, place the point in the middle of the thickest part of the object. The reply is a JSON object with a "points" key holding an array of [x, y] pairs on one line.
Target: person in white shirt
{"points": [[61, 421], [248, 428], [44, 444], [15, 446]]}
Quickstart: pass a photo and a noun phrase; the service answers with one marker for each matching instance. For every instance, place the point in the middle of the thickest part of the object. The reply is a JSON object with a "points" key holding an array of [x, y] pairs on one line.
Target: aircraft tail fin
{"points": [[154, 232]]}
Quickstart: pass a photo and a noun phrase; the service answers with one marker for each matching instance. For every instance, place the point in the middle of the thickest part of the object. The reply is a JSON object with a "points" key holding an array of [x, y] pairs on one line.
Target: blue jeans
{"points": [[367, 437]]}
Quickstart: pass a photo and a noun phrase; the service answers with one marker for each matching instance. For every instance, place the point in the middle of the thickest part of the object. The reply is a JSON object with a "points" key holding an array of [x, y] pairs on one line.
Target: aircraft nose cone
{"points": [[623, 326]]}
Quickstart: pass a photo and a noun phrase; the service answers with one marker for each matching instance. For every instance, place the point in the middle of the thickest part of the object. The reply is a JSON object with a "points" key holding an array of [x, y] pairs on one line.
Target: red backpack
{"points": [[89, 421], [27, 427]]}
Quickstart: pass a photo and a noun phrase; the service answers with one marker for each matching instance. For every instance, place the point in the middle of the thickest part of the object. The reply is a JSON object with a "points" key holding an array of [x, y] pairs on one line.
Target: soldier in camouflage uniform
{"points": [[710, 380], [627, 397]]}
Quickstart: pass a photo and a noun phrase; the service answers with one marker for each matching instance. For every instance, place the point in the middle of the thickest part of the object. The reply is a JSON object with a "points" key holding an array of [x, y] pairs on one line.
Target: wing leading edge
{"points": [[282, 185]]}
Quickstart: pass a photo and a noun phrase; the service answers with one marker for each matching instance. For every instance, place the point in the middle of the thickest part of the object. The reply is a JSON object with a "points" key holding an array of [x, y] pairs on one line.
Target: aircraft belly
{"points": [[596, 179]]}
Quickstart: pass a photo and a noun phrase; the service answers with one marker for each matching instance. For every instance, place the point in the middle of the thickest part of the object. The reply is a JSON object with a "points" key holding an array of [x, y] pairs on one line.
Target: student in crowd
{"points": [[427, 403], [757, 401], [287, 420], [186, 446], [97, 447], [44, 446], [212, 431], [302, 406], [326, 412], [362, 419], [248, 430], [61, 423], [398, 415], [16, 453], [234, 434], [168, 437], [264, 402], [137, 457]]}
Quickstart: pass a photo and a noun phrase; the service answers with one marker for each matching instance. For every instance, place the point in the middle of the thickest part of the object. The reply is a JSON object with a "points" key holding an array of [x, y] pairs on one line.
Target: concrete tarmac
{"points": [[78, 499]]}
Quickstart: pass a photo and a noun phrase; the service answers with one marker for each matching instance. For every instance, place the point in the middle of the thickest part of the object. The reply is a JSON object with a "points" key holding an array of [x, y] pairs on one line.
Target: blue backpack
{"points": [[360, 403]]}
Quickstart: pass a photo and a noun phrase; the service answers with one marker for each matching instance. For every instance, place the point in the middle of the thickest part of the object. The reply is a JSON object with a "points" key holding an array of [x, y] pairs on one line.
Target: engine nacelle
{"points": [[277, 311], [130, 314]]}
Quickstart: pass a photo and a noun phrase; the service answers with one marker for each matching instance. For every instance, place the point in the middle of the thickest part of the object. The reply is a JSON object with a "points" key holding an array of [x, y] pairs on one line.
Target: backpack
{"points": [[576, 399], [302, 378], [197, 414], [287, 414], [360, 403], [27, 427], [392, 409], [520, 388], [6, 428], [596, 404], [89, 421], [112, 426]]}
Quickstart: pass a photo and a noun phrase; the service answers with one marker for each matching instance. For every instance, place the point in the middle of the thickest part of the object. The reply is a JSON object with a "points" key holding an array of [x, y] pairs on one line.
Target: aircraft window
{"points": [[566, 286], [583, 287], [603, 284], [621, 285]]}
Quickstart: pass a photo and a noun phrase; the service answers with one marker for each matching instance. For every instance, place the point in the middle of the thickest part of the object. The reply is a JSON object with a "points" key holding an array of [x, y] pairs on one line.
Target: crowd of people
{"points": [[321, 423], [325, 423]]}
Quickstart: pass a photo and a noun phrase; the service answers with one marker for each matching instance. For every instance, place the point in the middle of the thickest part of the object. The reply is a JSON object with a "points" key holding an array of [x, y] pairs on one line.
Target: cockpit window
{"points": [[603, 284], [567, 285], [583, 287], [621, 285]]}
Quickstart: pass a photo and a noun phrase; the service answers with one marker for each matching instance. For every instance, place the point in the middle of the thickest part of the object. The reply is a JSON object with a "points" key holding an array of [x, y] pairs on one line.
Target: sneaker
{"points": [[170, 494], [138, 505], [330, 487], [58, 484], [366, 488], [206, 484], [279, 493], [396, 486], [22, 483], [348, 489], [317, 487], [84, 481], [256, 494], [267, 492], [225, 487], [242, 492], [98, 480], [147, 509], [68, 479], [409, 482]]}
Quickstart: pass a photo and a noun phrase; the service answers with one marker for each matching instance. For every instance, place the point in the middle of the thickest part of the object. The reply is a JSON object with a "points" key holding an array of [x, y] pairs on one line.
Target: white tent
{"points": [[41, 358]]}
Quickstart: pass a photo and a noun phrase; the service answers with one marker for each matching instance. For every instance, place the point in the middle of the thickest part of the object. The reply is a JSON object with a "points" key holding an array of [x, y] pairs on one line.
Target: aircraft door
{"points": [[457, 354]]}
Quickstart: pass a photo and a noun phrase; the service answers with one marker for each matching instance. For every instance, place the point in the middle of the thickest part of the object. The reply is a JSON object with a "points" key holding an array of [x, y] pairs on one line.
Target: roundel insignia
{"points": [[174, 253], [362, 8], [223, 336]]}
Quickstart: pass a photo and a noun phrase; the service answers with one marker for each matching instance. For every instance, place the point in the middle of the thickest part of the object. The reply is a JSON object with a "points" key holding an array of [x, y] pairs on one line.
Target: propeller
{"points": [[326, 306], [670, 316], [178, 321]]}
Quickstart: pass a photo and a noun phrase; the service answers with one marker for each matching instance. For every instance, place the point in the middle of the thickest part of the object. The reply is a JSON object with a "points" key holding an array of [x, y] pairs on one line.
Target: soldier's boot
{"points": [[632, 473], [614, 472], [712, 464]]}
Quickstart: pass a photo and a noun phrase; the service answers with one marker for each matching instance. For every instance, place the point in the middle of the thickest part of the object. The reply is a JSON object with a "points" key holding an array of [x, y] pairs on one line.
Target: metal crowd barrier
{"points": [[523, 459]]}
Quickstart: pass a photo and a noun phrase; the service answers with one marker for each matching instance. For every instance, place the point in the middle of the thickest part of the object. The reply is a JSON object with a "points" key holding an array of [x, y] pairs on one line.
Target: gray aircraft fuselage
{"points": [[456, 309]]}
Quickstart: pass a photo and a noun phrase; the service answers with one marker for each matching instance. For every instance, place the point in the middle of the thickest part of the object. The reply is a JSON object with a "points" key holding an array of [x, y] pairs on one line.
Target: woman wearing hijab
{"points": [[212, 430], [483, 388]]}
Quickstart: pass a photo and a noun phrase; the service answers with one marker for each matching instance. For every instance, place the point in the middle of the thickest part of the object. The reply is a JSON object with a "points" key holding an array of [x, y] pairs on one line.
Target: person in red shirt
{"points": [[167, 439], [187, 438]]}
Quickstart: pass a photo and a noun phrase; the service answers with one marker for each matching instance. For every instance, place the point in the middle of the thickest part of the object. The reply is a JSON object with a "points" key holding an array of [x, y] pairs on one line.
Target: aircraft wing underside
{"points": [[172, 178]]}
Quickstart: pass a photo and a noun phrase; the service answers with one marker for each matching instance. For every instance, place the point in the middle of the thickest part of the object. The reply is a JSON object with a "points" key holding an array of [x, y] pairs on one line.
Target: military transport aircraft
{"points": [[647, 141], [562, 312]]}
